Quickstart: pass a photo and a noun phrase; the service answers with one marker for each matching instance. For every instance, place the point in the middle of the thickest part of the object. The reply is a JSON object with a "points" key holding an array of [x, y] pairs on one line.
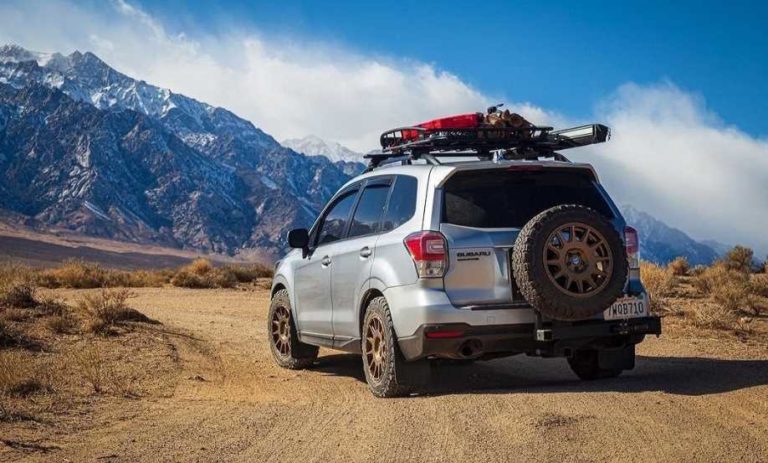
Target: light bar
{"points": [[581, 136]]}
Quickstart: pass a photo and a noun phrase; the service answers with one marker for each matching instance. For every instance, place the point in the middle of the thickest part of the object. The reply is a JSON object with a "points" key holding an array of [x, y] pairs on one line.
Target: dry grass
{"points": [[80, 275], [731, 289], [17, 282], [17, 286], [21, 376], [202, 274], [760, 284], [250, 273], [660, 283], [108, 309]]}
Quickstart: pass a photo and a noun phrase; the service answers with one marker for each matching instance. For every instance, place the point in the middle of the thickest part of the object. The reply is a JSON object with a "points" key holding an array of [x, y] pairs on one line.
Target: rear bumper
{"points": [[549, 340]]}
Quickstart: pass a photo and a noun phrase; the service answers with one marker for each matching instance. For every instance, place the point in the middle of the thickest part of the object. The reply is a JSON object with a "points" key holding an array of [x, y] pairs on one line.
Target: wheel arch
{"points": [[375, 289]]}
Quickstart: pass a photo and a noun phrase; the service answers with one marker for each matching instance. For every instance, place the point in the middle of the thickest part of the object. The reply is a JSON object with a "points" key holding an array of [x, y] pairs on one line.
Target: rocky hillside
{"points": [[660, 243], [88, 149]]}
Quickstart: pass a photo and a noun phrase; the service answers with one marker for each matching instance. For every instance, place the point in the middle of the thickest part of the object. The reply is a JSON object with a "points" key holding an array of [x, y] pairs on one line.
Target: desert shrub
{"points": [[679, 267], [730, 289], [250, 273], [739, 259], [201, 273], [80, 274], [100, 374], [108, 308], [90, 365], [658, 281], [199, 267], [74, 274], [21, 376]]}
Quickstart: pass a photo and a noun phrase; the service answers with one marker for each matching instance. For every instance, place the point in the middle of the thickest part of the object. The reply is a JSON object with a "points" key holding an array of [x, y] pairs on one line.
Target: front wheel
{"points": [[284, 343], [386, 371]]}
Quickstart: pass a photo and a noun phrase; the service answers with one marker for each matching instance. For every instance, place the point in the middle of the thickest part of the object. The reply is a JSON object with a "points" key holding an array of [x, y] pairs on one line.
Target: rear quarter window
{"points": [[402, 202], [509, 199]]}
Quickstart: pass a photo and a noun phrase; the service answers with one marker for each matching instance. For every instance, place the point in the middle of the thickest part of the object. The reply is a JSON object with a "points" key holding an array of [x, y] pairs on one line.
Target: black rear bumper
{"points": [[547, 340]]}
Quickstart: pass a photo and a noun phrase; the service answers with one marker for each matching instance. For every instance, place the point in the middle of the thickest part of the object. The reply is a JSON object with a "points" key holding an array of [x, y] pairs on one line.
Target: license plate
{"points": [[627, 307]]}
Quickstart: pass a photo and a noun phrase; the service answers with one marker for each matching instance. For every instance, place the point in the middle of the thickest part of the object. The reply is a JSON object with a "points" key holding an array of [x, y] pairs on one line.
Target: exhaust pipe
{"points": [[470, 349]]}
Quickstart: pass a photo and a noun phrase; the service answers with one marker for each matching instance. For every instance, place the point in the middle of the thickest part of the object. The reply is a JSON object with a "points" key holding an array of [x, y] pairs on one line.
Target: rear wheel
{"points": [[386, 370], [585, 363], [284, 342]]}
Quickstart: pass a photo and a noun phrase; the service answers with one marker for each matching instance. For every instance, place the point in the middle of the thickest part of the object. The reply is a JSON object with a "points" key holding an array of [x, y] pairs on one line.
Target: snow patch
{"points": [[268, 182], [96, 210]]}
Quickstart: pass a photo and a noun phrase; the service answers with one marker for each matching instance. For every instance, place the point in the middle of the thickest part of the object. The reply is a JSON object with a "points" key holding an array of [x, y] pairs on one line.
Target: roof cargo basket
{"points": [[470, 135]]}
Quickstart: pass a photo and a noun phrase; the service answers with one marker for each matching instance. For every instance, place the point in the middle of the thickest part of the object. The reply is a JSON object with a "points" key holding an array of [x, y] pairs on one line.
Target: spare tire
{"points": [[569, 263]]}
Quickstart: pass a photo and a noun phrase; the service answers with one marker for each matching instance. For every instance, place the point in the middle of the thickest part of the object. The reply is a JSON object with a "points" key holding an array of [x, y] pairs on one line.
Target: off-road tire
{"points": [[585, 364], [394, 379], [299, 355], [530, 272]]}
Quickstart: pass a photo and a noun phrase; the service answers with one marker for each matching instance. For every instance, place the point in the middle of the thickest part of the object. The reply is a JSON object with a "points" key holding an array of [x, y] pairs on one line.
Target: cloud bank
{"points": [[669, 154]]}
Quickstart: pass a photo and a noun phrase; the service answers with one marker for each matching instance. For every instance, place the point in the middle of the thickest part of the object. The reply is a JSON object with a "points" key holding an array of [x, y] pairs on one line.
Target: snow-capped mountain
{"points": [[661, 243], [88, 149], [312, 145]]}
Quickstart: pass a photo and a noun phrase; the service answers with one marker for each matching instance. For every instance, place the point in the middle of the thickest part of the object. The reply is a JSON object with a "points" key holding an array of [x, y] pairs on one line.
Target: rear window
{"points": [[509, 199]]}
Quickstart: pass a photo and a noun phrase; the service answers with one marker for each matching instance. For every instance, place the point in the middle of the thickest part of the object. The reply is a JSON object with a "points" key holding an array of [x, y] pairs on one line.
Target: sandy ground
{"points": [[690, 398]]}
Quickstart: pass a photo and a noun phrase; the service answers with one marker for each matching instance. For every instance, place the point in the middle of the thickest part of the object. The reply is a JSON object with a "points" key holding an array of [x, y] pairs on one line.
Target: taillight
{"points": [[429, 252], [632, 244]]}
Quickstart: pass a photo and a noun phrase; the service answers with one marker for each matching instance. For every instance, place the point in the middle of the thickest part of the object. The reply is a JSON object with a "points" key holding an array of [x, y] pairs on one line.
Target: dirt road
{"points": [[688, 399]]}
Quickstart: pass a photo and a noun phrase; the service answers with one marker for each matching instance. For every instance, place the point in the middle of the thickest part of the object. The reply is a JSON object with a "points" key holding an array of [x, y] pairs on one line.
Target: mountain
{"points": [[720, 248], [87, 149], [350, 162], [661, 243], [312, 145]]}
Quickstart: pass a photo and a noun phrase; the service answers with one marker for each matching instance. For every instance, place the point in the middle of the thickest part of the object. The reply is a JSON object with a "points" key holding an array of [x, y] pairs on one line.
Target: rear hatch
{"points": [[483, 212]]}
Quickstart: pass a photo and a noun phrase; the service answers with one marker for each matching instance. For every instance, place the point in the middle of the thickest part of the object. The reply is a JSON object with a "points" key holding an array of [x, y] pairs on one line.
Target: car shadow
{"points": [[693, 376]]}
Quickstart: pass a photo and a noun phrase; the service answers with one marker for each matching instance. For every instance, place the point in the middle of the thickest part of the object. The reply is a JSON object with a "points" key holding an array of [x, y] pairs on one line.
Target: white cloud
{"points": [[672, 157], [669, 155]]}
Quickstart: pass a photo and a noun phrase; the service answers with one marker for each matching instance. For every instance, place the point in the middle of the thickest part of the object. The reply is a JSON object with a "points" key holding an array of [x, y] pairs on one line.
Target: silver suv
{"points": [[419, 259]]}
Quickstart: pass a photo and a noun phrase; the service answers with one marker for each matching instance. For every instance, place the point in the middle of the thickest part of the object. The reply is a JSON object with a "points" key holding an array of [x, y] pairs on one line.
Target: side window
{"points": [[369, 210], [402, 203], [335, 221]]}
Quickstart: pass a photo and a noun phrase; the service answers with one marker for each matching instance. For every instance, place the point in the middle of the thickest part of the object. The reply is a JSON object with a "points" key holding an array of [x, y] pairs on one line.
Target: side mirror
{"points": [[298, 238]]}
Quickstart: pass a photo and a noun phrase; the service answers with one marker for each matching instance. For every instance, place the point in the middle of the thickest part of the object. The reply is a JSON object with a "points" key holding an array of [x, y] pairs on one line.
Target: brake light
{"points": [[429, 252], [632, 243]]}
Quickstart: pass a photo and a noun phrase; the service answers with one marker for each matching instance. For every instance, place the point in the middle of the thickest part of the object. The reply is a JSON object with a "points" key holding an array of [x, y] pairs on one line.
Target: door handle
{"points": [[366, 252], [326, 261]]}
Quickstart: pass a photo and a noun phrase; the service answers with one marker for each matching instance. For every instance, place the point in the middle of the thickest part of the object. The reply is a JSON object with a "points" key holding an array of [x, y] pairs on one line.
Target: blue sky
{"points": [[558, 55], [681, 84]]}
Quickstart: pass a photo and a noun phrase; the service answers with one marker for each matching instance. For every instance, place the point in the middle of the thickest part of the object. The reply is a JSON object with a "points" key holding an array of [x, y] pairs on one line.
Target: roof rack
{"points": [[406, 144]]}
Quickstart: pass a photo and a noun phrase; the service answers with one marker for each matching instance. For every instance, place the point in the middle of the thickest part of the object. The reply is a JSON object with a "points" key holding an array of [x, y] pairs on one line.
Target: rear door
{"points": [[482, 214], [353, 258], [313, 274]]}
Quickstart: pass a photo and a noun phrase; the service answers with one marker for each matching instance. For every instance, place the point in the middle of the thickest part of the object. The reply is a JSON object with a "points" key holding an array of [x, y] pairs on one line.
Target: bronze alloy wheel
{"points": [[578, 259], [281, 331], [375, 348]]}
